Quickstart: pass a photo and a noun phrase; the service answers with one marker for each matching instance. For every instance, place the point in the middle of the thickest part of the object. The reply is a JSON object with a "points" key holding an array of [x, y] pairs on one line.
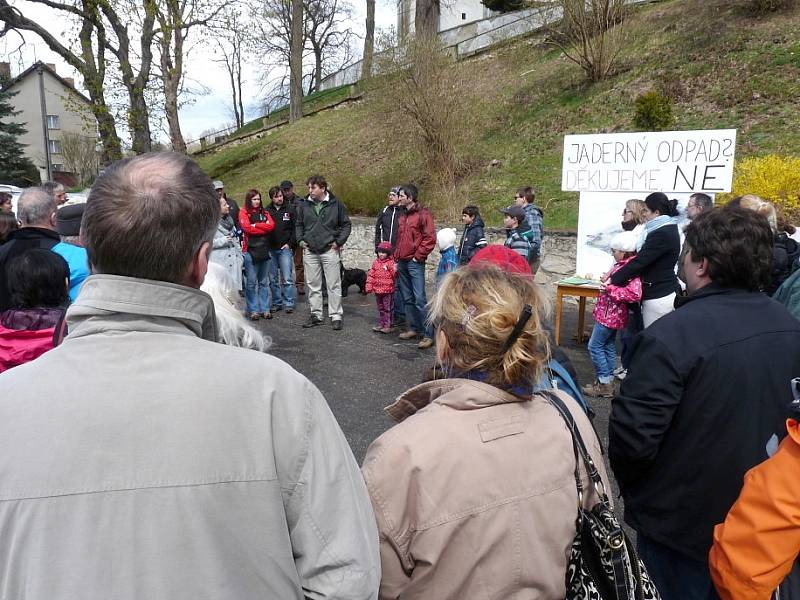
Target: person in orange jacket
{"points": [[756, 546]]}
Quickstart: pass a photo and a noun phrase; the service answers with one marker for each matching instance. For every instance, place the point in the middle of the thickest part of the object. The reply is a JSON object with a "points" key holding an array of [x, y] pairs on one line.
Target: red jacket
{"points": [[254, 228], [416, 234], [26, 334], [381, 276]]}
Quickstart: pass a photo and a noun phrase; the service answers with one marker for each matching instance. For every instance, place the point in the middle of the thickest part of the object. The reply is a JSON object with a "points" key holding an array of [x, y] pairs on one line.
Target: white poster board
{"points": [[663, 161], [609, 169]]}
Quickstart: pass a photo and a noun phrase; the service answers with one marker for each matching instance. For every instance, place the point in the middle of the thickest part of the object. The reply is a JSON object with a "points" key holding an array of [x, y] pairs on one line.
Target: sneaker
{"points": [[337, 325], [408, 335], [425, 343], [254, 316], [386, 330], [289, 310], [377, 328], [598, 390], [275, 309], [622, 374], [301, 291], [267, 315], [313, 321]]}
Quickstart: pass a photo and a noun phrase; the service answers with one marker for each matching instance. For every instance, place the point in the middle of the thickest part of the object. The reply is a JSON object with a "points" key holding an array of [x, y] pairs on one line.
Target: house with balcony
{"points": [[49, 107]]}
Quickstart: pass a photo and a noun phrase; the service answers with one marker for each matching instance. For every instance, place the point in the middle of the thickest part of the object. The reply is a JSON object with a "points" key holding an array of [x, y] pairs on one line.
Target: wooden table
{"points": [[582, 292]]}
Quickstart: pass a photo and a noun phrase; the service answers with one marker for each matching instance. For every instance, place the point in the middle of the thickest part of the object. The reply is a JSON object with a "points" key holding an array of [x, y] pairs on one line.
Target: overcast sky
{"points": [[208, 112]]}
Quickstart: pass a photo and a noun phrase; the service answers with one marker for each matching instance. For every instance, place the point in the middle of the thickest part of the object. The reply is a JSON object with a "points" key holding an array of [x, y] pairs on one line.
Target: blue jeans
{"points": [[411, 279], [256, 286], [281, 264], [677, 576], [603, 351]]}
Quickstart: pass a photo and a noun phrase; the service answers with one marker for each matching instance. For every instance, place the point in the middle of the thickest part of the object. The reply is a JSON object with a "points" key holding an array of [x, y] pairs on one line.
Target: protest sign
{"points": [[663, 161], [609, 169]]}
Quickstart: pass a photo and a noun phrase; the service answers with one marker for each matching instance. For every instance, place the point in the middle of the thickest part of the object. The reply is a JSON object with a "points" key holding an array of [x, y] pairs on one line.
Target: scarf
{"points": [[524, 390], [652, 225], [226, 223]]}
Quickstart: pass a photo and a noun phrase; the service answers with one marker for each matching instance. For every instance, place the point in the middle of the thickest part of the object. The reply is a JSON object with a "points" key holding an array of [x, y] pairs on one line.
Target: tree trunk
{"points": [[91, 66], [426, 19], [369, 41], [296, 63], [317, 68], [171, 87]]}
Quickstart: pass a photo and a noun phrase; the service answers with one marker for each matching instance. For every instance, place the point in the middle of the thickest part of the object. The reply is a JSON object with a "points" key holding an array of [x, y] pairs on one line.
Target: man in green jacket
{"points": [[322, 228]]}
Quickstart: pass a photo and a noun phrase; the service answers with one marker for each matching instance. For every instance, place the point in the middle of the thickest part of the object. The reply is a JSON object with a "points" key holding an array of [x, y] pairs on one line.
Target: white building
{"points": [[49, 106], [452, 13]]}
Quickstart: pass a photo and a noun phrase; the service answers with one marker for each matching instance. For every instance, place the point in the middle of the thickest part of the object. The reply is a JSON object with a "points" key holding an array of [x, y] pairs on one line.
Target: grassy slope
{"points": [[724, 68]]}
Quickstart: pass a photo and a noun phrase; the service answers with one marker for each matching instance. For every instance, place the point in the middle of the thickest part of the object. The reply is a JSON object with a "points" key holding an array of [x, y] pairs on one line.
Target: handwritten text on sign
{"points": [[664, 161]]}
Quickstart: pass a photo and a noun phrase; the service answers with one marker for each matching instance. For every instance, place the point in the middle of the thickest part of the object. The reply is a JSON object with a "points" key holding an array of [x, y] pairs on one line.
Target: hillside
{"points": [[722, 67]]}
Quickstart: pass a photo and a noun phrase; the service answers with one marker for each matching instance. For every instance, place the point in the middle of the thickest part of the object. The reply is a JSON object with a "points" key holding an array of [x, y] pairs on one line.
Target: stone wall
{"points": [[559, 250]]}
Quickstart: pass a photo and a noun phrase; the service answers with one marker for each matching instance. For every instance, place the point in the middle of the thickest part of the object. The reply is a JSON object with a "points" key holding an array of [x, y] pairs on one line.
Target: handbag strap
{"points": [[580, 446]]}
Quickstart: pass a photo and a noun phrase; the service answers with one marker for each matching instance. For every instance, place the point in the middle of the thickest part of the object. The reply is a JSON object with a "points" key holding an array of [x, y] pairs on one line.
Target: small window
{"points": [[463, 16], [58, 167], [54, 146], [52, 121]]}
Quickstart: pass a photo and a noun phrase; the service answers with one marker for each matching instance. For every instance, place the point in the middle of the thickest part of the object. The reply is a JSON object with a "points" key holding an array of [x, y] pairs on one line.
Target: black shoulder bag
{"points": [[603, 563]]}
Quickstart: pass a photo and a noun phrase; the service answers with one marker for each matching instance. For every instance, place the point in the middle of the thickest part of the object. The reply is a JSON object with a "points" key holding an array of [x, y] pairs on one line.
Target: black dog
{"points": [[354, 277]]}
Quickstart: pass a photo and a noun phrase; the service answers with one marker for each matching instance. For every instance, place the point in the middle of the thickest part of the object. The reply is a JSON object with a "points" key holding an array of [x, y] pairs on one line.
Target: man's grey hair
{"points": [[53, 187], [147, 216], [35, 206]]}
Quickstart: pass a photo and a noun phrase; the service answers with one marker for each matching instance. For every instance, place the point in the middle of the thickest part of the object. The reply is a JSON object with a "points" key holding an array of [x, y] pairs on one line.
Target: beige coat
{"points": [[141, 462], [474, 493]]}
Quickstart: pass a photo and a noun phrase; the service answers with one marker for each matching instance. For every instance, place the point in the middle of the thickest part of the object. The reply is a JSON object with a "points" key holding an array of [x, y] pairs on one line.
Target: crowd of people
{"points": [[130, 469]]}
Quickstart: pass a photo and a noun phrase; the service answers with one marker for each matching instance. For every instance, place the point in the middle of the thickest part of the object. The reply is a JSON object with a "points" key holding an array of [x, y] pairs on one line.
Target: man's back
{"points": [[130, 468], [706, 390]]}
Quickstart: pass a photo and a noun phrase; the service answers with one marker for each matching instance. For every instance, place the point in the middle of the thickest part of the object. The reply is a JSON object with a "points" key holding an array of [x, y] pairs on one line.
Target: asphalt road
{"points": [[360, 372]]}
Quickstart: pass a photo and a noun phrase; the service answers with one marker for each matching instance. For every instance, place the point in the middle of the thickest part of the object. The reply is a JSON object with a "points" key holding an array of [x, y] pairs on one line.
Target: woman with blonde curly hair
{"points": [[474, 490]]}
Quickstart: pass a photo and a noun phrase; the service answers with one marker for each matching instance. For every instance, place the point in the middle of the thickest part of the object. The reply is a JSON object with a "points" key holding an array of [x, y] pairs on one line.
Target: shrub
{"points": [[774, 178], [653, 112]]}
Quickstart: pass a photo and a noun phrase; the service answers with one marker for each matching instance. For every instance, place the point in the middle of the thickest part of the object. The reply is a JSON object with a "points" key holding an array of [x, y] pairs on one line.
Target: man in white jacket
{"points": [[131, 468]]}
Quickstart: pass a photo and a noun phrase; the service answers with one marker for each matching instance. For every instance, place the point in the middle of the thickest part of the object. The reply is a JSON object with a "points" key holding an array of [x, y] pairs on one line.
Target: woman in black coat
{"points": [[657, 254]]}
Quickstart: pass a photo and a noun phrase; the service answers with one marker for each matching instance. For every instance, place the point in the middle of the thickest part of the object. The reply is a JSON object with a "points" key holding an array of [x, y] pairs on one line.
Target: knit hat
{"points": [[384, 247], [625, 241], [68, 219], [395, 190], [218, 185], [446, 238], [504, 258]]}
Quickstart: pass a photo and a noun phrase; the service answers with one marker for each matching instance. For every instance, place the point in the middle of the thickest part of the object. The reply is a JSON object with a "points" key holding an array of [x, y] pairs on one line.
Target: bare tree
{"points": [[296, 63], [369, 41], [328, 34], [80, 156], [589, 34], [90, 62], [229, 37]]}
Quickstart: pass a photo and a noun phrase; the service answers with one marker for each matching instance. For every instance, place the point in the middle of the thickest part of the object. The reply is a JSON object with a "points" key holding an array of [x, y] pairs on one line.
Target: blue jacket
{"points": [[448, 261], [78, 261]]}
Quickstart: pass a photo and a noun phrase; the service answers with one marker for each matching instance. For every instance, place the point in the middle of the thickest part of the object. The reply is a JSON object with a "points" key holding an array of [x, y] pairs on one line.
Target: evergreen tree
{"points": [[15, 168]]}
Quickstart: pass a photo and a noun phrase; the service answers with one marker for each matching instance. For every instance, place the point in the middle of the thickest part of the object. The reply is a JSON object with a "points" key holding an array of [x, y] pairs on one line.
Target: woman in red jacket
{"points": [[256, 225]]}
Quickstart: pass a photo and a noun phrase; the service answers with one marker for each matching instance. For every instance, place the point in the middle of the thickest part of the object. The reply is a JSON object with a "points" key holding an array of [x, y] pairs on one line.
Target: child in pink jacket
{"points": [[610, 315], [381, 279]]}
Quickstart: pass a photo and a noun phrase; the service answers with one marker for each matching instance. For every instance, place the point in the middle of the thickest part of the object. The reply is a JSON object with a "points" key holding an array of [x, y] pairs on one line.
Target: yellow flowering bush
{"points": [[772, 177]]}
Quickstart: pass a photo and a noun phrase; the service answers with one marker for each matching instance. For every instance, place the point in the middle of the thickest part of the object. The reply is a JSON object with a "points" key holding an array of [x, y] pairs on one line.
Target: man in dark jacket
{"points": [[704, 398], [36, 211], [416, 237], [281, 242], [386, 228], [323, 227], [293, 200]]}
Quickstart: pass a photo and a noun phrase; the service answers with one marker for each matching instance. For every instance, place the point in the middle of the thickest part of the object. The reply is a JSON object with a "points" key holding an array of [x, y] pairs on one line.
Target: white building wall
{"points": [[460, 12], [72, 112]]}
